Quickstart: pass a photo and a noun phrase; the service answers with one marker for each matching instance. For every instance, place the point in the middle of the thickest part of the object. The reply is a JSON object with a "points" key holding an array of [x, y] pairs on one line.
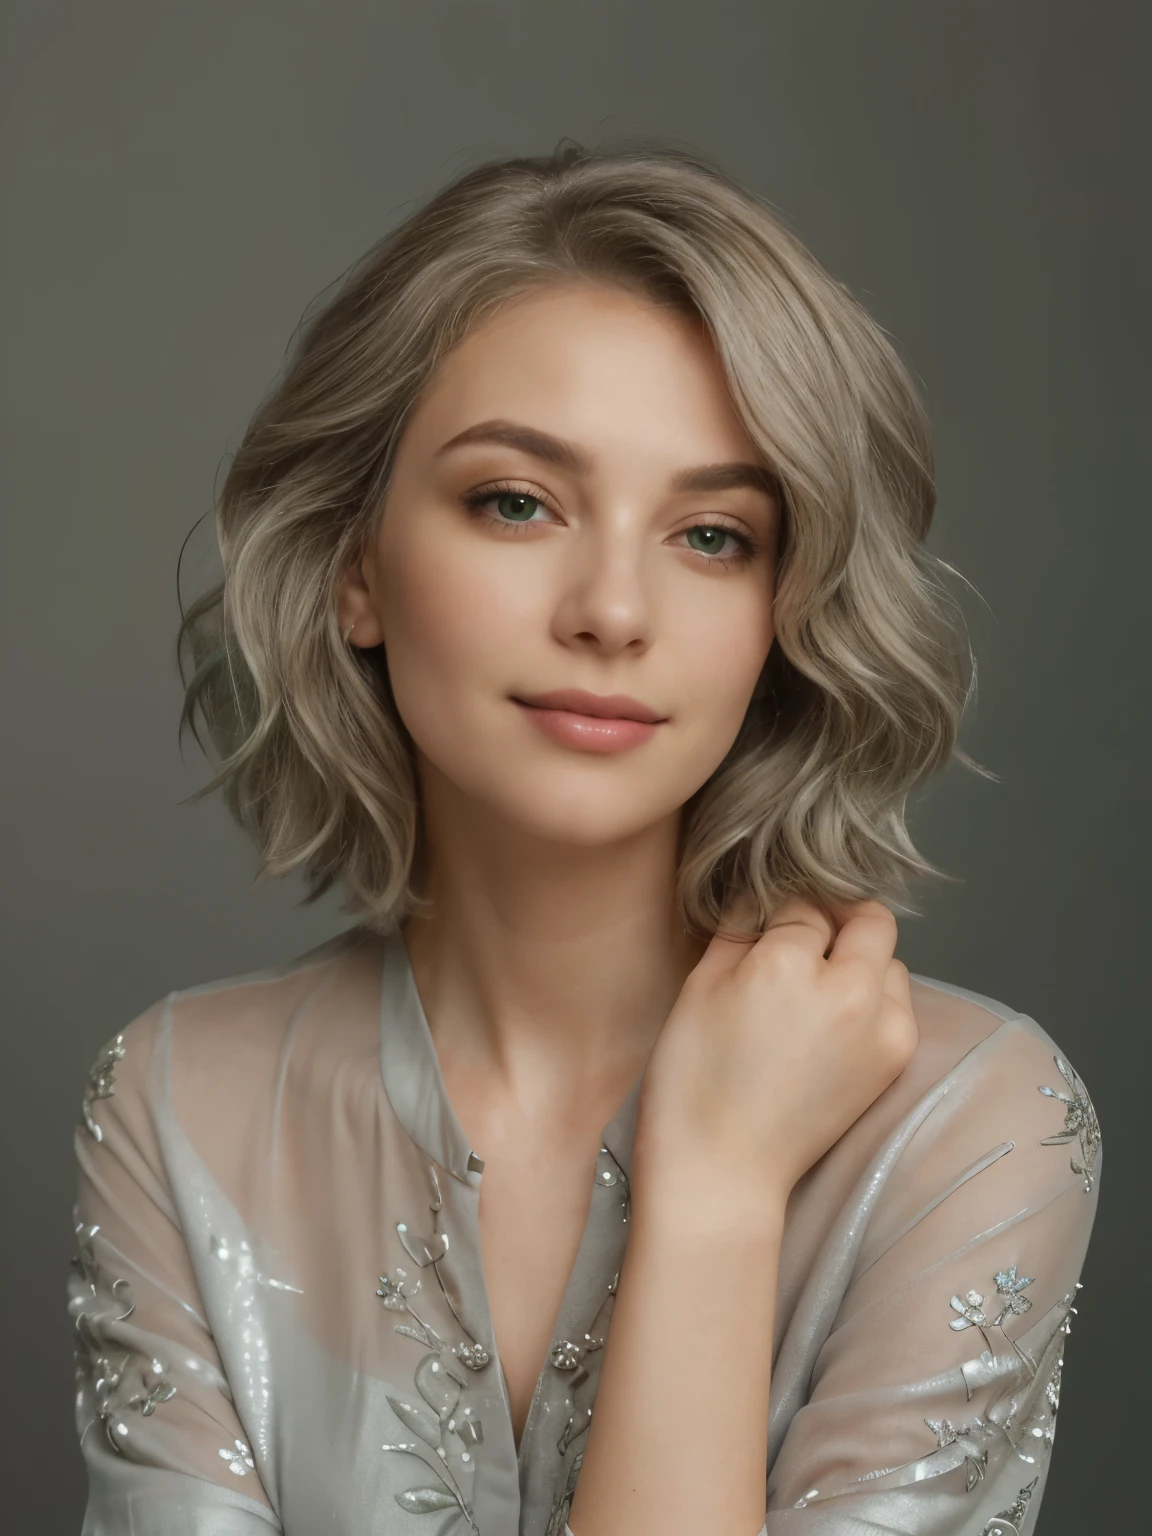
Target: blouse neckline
{"points": [[415, 1087]]}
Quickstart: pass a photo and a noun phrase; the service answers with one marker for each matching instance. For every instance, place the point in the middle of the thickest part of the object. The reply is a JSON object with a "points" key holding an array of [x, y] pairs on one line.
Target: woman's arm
{"points": [[166, 1452], [931, 1407], [678, 1440]]}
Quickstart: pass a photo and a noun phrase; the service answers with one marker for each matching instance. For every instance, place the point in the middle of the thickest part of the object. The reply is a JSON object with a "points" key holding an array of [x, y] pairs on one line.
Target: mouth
{"points": [[599, 706], [591, 722]]}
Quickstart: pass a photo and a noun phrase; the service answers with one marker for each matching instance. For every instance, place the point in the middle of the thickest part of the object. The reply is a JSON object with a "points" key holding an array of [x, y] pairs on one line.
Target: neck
{"points": [[541, 963]]}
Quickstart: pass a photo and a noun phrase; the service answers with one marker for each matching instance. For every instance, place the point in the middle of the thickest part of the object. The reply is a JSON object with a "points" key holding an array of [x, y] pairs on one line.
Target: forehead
{"points": [[591, 362]]}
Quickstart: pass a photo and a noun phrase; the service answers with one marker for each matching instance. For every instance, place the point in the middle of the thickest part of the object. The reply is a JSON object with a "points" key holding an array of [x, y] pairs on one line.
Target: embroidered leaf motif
{"points": [[437, 1386], [423, 1501], [100, 1083], [1080, 1122], [423, 1250], [417, 1420], [423, 1335], [969, 1439], [1007, 1522], [102, 1369]]}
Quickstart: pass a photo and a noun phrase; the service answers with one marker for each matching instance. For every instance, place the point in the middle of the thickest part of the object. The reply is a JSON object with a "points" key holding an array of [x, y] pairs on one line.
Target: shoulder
{"points": [[256, 1011], [222, 1037], [981, 1063], [956, 1023]]}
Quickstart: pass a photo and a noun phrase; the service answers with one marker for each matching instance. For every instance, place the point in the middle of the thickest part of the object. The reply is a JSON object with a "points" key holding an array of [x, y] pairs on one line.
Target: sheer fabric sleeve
{"points": [[932, 1404], [165, 1450]]}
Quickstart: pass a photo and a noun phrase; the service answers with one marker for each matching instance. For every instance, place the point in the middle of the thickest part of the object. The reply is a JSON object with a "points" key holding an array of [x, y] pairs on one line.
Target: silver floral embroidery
{"points": [[397, 1295], [1039, 1427], [1008, 1287], [562, 1508], [567, 1354], [1007, 1522], [156, 1389], [971, 1439], [1021, 1414], [100, 1371], [101, 1080], [440, 1413], [239, 1458], [1080, 1122]]}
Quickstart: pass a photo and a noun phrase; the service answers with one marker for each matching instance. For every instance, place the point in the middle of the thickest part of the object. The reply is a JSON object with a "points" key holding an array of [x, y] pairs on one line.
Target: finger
{"points": [[903, 1029], [868, 933], [896, 986], [738, 931], [800, 920]]}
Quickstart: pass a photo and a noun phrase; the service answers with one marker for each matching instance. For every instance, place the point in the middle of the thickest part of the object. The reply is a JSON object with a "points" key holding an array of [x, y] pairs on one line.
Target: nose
{"points": [[605, 604]]}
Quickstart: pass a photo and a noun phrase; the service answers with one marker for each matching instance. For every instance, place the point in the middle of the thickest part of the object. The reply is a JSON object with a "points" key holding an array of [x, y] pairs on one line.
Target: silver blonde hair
{"points": [[866, 683]]}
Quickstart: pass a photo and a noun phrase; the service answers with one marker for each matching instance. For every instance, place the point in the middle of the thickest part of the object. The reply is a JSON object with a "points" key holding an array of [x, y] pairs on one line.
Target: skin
{"points": [[554, 966]]}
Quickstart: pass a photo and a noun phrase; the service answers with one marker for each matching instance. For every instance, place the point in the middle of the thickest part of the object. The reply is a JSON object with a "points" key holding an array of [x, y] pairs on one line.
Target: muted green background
{"points": [[182, 180]]}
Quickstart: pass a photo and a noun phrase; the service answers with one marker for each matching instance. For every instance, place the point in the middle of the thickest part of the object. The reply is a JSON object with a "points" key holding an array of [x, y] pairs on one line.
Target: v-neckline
{"points": [[415, 1088]]}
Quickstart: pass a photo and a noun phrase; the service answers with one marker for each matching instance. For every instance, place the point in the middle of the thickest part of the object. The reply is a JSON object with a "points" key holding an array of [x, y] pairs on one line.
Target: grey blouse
{"points": [[280, 1313]]}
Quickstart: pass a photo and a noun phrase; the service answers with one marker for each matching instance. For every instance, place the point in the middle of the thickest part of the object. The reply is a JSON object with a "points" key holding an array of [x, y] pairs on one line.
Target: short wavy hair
{"points": [[867, 679]]}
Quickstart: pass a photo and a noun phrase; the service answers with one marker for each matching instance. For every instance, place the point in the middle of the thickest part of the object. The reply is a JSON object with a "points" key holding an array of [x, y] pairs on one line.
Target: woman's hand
{"points": [[773, 1048]]}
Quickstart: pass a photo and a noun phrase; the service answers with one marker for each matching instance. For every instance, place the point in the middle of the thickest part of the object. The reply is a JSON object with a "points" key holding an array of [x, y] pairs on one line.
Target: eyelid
{"points": [[723, 520], [492, 488]]}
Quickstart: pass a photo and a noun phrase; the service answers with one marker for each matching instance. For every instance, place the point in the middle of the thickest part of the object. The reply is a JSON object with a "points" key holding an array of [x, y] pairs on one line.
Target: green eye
{"points": [[515, 508], [707, 541]]}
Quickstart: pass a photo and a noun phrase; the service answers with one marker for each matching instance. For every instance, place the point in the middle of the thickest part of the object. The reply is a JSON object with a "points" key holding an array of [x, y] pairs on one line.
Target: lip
{"points": [[601, 706], [591, 722]]}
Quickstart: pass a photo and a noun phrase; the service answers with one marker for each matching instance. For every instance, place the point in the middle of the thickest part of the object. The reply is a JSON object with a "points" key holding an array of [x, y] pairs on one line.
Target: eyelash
{"points": [[476, 501]]}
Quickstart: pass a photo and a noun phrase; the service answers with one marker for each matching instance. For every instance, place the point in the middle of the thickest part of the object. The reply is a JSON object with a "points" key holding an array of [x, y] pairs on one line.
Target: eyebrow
{"points": [[554, 450]]}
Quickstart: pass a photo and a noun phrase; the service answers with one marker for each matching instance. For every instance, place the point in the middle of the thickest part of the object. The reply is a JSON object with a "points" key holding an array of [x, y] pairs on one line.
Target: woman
{"points": [[576, 620]]}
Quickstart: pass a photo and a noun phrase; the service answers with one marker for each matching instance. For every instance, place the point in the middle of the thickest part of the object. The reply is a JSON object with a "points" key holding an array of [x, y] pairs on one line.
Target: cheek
{"points": [[722, 644], [453, 621]]}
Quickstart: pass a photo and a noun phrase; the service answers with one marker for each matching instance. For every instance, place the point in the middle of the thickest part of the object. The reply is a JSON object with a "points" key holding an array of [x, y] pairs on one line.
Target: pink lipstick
{"points": [[591, 722]]}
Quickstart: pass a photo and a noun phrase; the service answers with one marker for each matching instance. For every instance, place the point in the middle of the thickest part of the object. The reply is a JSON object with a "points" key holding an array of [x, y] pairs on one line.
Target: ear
{"points": [[355, 609]]}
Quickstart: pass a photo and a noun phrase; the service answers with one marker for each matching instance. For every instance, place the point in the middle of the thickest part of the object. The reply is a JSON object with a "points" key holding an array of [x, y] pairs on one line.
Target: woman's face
{"points": [[573, 573]]}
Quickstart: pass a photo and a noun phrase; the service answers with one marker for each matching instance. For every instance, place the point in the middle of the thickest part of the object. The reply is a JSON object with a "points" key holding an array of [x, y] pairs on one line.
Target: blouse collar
{"points": [[415, 1084]]}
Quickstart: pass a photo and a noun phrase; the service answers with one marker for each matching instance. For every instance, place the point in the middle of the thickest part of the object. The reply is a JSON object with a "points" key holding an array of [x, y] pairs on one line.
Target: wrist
{"points": [[710, 1198]]}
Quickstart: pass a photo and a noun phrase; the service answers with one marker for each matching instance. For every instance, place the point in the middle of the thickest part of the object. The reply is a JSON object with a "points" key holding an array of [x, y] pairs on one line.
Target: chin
{"points": [[590, 817]]}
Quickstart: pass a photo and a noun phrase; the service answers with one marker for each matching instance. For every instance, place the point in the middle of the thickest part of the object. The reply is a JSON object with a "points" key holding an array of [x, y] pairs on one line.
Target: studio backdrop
{"points": [[182, 181]]}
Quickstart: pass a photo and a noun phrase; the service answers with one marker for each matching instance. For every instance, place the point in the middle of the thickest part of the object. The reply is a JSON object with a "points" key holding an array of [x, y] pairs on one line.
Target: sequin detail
{"points": [[1007, 1522], [1080, 1122], [245, 1263], [101, 1080], [103, 1373], [239, 1458], [453, 1433]]}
